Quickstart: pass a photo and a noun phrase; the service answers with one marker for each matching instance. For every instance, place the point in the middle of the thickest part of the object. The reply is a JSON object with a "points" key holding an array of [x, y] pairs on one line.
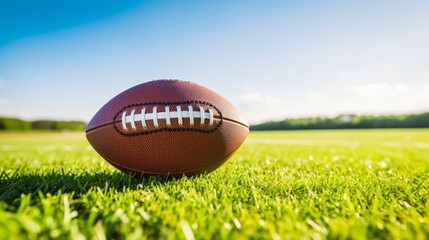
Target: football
{"points": [[168, 128]]}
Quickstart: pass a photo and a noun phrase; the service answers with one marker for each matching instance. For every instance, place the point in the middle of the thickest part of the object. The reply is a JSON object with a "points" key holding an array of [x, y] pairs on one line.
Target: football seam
{"points": [[189, 129]]}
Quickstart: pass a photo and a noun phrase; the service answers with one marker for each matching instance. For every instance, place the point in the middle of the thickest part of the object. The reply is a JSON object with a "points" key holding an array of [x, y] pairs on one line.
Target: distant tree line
{"points": [[348, 122], [14, 124]]}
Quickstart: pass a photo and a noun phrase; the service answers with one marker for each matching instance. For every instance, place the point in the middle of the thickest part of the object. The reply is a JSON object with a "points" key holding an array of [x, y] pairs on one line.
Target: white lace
{"points": [[154, 116]]}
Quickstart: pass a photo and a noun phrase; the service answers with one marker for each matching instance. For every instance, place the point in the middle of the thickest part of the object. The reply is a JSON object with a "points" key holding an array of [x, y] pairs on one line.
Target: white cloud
{"points": [[373, 98], [4, 102], [379, 89], [256, 99], [257, 107], [8, 110], [317, 96]]}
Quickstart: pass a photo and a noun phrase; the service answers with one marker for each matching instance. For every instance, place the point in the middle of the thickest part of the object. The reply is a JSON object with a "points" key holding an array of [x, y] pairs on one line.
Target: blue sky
{"points": [[272, 59]]}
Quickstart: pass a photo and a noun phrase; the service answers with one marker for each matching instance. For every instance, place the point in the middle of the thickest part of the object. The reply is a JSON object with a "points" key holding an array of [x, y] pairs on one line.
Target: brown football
{"points": [[167, 127]]}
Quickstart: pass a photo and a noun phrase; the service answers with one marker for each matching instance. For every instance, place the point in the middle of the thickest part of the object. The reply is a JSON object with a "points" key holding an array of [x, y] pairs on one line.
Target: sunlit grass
{"points": [[315, 184]]}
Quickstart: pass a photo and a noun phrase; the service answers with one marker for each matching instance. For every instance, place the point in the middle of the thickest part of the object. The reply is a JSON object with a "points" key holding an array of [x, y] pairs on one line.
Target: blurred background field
{"points": [[294, 184]]}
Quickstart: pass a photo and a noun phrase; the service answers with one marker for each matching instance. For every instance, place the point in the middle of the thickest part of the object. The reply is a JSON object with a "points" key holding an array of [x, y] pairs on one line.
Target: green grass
{"points": [[280, 185]]}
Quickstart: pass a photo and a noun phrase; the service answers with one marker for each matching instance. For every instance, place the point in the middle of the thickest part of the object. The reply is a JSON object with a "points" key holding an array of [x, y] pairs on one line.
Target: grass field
{"points": [[299, 184]]}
